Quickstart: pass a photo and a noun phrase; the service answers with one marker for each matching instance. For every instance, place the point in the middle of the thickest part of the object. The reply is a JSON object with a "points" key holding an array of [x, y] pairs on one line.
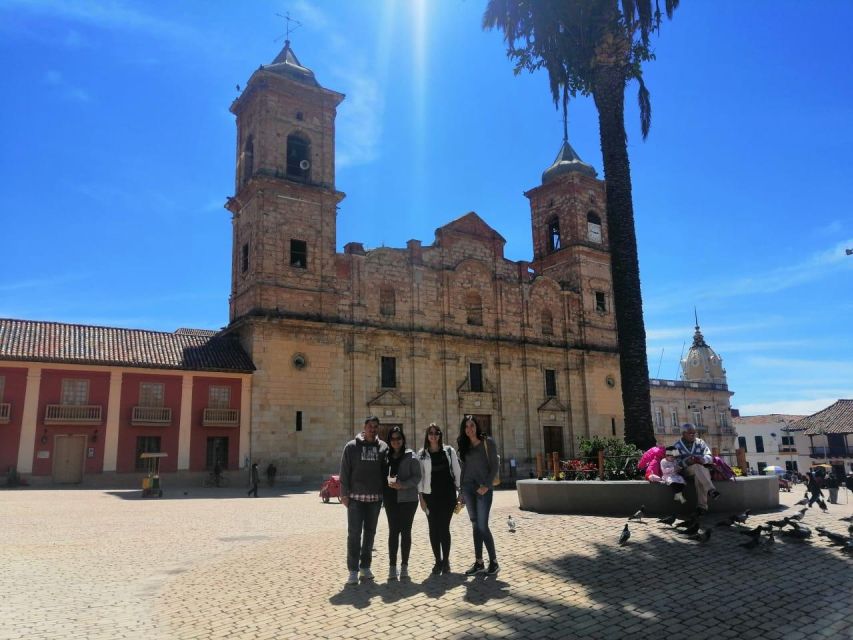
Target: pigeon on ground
{"points": [[800, 533], [850, 529], [803, 501], [670, 520], [751, 544], [741, 517], [623, 539], [847, 519], [639, 513], [771, 540], [702, 536], [510, 523], [692, 529], [798, 516], [776, 523], [755, 533]]}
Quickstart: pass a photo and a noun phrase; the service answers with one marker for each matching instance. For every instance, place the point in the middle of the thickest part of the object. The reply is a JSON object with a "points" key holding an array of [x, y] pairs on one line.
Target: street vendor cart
{"points": [[151, 481]]}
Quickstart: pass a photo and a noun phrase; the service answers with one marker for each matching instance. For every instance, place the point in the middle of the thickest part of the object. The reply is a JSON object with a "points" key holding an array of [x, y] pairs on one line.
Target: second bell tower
{"points": [[285, 202]]}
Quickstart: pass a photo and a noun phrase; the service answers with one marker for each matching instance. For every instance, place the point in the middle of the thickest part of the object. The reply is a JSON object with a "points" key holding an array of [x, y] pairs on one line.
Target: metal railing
{"points": [[151, 416], [5, 412], [72, 414], [831, 452], [221, 418]]}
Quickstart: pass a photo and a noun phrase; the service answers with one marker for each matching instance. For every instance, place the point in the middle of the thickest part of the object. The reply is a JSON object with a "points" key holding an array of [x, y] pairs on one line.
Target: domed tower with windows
{"points": [[285, 201], [571, 243], [702, 364]]}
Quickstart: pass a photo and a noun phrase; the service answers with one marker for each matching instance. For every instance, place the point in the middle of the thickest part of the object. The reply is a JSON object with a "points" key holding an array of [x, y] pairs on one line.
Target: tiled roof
{"points": [[836, 418], [191, 350], [767, 419]]}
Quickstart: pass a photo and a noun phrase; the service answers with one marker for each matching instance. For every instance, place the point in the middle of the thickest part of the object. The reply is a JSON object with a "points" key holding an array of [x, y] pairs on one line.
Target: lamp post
{"points": [[786, 430]]}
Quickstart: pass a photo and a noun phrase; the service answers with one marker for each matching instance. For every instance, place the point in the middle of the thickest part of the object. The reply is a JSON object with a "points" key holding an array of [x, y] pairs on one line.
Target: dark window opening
{"points": [[389, 372], [299, 115], [593, 227], [298, 157], [146, 444], [553, 235], [475, 377], [244, 258], [247, 161], [547, 323], [299, 254], [299, 421], [741, 443], [613, 426], [759, 444], [474, 308], [217, 451], [600, 302], [387, 301], [550, 383]]}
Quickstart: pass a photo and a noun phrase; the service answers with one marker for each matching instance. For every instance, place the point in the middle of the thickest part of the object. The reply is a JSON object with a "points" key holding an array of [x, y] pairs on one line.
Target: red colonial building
{"points": [[78, 400]]}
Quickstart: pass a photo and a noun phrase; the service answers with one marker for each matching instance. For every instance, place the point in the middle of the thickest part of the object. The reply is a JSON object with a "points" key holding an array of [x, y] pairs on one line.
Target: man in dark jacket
{"points": [[362, 481]]}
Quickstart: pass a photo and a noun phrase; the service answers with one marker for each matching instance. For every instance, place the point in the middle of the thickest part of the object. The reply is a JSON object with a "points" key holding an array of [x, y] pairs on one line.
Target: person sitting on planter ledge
{"points": [[693, 456]]}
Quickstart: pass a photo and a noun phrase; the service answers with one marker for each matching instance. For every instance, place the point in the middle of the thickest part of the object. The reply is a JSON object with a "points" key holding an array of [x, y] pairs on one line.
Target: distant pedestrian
{"points": [[254, 479], [814, 484], [831, 484], [362, 482]]}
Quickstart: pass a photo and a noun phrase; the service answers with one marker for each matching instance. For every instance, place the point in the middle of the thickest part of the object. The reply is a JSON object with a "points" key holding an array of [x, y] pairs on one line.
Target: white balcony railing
{"points": [[5, 412], [161, 416], [72, 414], [221, 418]]}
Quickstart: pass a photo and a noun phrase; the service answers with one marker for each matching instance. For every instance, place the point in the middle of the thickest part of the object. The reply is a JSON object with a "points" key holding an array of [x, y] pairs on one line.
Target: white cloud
{"points": [[54, 78], [360, 120], [831, 229], [42, 283]]}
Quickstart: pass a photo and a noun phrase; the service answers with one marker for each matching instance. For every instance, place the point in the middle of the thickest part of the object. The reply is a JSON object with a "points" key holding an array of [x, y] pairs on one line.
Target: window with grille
{"points": [[75, 392], [299, 254], [550, 383], [387, 301], [389, 372], [658, 417], [152, 394], [673, 416], [697, 419], [218, 397]]}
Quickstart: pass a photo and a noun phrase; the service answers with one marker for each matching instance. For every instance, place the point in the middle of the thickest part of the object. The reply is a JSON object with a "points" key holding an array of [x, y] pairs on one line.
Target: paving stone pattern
{"points": [[214, 564]]}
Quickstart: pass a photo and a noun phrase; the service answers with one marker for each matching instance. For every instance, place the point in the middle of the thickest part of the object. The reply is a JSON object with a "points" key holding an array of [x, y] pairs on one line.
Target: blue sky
{"points": [[119, 154]]}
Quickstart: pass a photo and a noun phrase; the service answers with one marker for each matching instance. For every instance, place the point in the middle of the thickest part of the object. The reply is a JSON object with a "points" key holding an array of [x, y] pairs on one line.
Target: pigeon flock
{"points": [[760, 536]]}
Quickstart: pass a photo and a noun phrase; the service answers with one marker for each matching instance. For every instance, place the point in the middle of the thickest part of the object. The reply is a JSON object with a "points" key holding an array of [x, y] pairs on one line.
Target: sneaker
{"points": [[475, 568], [436, 569], [366, 574], [679, 497], [392, 573], [353, 577], [714, 494], [445, 567], [493, 569], [404, 571]]}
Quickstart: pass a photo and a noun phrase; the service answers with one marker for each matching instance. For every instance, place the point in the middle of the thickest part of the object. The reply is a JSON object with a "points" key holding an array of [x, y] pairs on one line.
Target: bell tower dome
{"points": [[702, 364], [285, 202]]}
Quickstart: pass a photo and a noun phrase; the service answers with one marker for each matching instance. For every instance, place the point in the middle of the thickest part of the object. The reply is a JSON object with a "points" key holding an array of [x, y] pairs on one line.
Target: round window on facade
{"points": [[300, 361], [611, 381]]}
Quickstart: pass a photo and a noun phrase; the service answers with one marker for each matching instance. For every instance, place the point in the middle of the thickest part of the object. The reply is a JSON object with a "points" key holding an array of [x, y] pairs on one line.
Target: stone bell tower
{"points": [[285, 201]]}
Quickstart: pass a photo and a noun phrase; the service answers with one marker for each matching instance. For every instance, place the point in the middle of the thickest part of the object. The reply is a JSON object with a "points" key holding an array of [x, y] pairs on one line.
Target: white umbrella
{"points": [[774, 469]]}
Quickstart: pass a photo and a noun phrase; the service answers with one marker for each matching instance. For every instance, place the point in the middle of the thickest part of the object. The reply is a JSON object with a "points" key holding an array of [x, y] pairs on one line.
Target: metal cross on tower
{"points": [[288, 28]]}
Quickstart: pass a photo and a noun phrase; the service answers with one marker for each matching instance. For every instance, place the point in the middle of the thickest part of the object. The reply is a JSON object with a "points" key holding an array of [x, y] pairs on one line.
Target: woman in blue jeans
{"points": [[479, 457]]}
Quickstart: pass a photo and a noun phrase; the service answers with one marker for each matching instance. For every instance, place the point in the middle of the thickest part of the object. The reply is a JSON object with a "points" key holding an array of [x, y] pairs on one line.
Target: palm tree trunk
{"points": [[609, 94]]}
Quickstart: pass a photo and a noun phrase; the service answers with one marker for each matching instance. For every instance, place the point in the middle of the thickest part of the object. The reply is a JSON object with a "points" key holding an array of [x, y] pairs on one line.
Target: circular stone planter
{"points": [[624, 497]]}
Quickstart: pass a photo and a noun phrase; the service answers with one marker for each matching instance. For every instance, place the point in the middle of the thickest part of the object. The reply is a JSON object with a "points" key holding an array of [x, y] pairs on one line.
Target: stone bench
{"points": [[624, 497]]}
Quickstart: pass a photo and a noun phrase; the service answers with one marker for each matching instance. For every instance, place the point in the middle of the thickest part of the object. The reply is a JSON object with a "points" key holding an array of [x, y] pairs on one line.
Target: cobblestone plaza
{"points": [[212, 563]]}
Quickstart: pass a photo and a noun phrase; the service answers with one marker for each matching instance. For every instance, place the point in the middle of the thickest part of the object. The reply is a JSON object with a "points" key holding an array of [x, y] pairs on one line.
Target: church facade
{"points": [[417, 334]]}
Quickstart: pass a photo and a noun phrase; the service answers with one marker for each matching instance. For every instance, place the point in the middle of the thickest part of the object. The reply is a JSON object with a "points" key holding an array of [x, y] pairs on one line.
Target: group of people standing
{"points": [[438, 478]]}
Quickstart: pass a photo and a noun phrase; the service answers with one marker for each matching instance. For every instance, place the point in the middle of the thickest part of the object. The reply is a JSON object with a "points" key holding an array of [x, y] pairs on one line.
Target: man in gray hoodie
{"points": [[362, 480]]}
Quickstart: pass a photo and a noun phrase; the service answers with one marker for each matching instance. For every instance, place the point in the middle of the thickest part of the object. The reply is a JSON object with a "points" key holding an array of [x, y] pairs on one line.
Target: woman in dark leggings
{"points": [[401, 500], [440, 475]]}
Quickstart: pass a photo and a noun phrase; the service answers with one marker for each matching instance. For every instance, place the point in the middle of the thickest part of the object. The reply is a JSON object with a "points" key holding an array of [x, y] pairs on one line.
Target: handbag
{"points": [[496, 482]]}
